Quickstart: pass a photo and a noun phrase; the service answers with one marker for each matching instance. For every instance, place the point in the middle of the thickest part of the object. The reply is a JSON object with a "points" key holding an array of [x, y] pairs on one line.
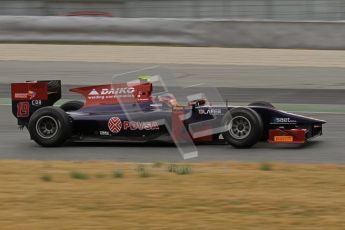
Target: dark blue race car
{"points": [[129, 112]]}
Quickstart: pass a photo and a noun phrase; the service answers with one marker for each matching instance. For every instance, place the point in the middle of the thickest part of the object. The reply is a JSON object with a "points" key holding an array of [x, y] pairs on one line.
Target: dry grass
{"points": [[215, 196]]}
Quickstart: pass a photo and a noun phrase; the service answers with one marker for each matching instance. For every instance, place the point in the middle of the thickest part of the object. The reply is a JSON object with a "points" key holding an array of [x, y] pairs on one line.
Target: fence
{"points": [[191, 32], [230, 9]]}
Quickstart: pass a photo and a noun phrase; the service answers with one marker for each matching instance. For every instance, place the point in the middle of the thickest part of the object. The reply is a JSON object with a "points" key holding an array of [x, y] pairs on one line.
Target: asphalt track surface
{"points": [[15, 144], [234, 76], [329, 148], [237, 95], [235, 83]]}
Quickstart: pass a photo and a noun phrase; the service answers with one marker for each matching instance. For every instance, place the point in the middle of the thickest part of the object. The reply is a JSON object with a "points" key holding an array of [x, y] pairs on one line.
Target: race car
{"points": [[131, 112]]}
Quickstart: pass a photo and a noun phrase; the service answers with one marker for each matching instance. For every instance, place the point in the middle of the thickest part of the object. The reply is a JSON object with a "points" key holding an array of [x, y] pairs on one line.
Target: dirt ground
{"points": [[218, 195]]}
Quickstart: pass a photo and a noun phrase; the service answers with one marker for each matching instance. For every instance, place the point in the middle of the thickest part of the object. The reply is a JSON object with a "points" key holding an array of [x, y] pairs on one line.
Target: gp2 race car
{"points": [[129, 112]]}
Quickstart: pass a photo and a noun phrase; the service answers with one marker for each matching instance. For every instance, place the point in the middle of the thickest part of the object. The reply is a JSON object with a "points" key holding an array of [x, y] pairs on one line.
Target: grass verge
{"points": [[118, 173], [266, 166], [79, 175], [143, 171], [46, 178]]}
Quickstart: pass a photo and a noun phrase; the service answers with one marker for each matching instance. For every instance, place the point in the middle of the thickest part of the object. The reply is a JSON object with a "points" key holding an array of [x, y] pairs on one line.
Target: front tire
{"points": [[50, 126], [245, 128]]}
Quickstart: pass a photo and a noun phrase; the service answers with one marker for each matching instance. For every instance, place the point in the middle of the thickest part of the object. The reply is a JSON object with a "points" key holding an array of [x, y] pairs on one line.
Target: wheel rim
{"points": [[47, 127], [240, 127]]}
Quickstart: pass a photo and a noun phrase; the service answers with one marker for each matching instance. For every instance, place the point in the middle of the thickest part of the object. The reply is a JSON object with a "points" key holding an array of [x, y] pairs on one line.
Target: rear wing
{"points": [[29, 96]]}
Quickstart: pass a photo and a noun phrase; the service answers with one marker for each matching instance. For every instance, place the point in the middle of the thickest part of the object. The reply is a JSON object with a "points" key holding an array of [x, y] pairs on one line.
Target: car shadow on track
{"points": [[309, 144], [119, 144], [261, 145]]}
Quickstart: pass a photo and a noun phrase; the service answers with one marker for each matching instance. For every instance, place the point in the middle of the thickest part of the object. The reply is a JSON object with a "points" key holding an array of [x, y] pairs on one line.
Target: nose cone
{"points": [[311, 119]]}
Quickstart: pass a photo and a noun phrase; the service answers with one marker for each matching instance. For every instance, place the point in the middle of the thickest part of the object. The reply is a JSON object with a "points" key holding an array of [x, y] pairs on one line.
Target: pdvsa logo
{"points": [[140, 125], [115, 125]]}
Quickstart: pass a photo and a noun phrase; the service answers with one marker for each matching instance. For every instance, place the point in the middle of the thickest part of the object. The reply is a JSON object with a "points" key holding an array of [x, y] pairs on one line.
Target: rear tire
{"points": [[245, 128], [72, 106], [50, 126]]}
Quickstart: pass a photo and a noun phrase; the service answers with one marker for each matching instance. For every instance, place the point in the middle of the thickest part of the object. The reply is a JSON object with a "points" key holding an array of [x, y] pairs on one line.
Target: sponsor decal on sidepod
{"points": [[111, 93], [282, 120], [140, 125], [210, 111], [115, 125]]}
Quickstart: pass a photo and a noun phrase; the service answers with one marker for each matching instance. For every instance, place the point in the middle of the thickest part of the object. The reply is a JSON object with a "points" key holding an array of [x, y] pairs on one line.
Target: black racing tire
{"points": [[50, 126], [72, 106], [245, 127], [262, 104]]}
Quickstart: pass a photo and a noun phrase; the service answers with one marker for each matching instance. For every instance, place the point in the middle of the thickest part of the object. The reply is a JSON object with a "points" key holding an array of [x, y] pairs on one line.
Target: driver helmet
{"points": [[167, 99], [144, 78], [198, 102]]}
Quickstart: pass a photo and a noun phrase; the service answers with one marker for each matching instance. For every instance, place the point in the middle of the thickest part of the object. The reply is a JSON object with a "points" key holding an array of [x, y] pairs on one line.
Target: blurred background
{"points": [[312, 24], [229, 9], [287, 52]]}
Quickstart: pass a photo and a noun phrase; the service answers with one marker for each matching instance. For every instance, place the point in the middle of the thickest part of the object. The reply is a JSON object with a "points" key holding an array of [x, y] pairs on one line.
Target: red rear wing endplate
{"points": [[29, 91], [28, 97]]}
